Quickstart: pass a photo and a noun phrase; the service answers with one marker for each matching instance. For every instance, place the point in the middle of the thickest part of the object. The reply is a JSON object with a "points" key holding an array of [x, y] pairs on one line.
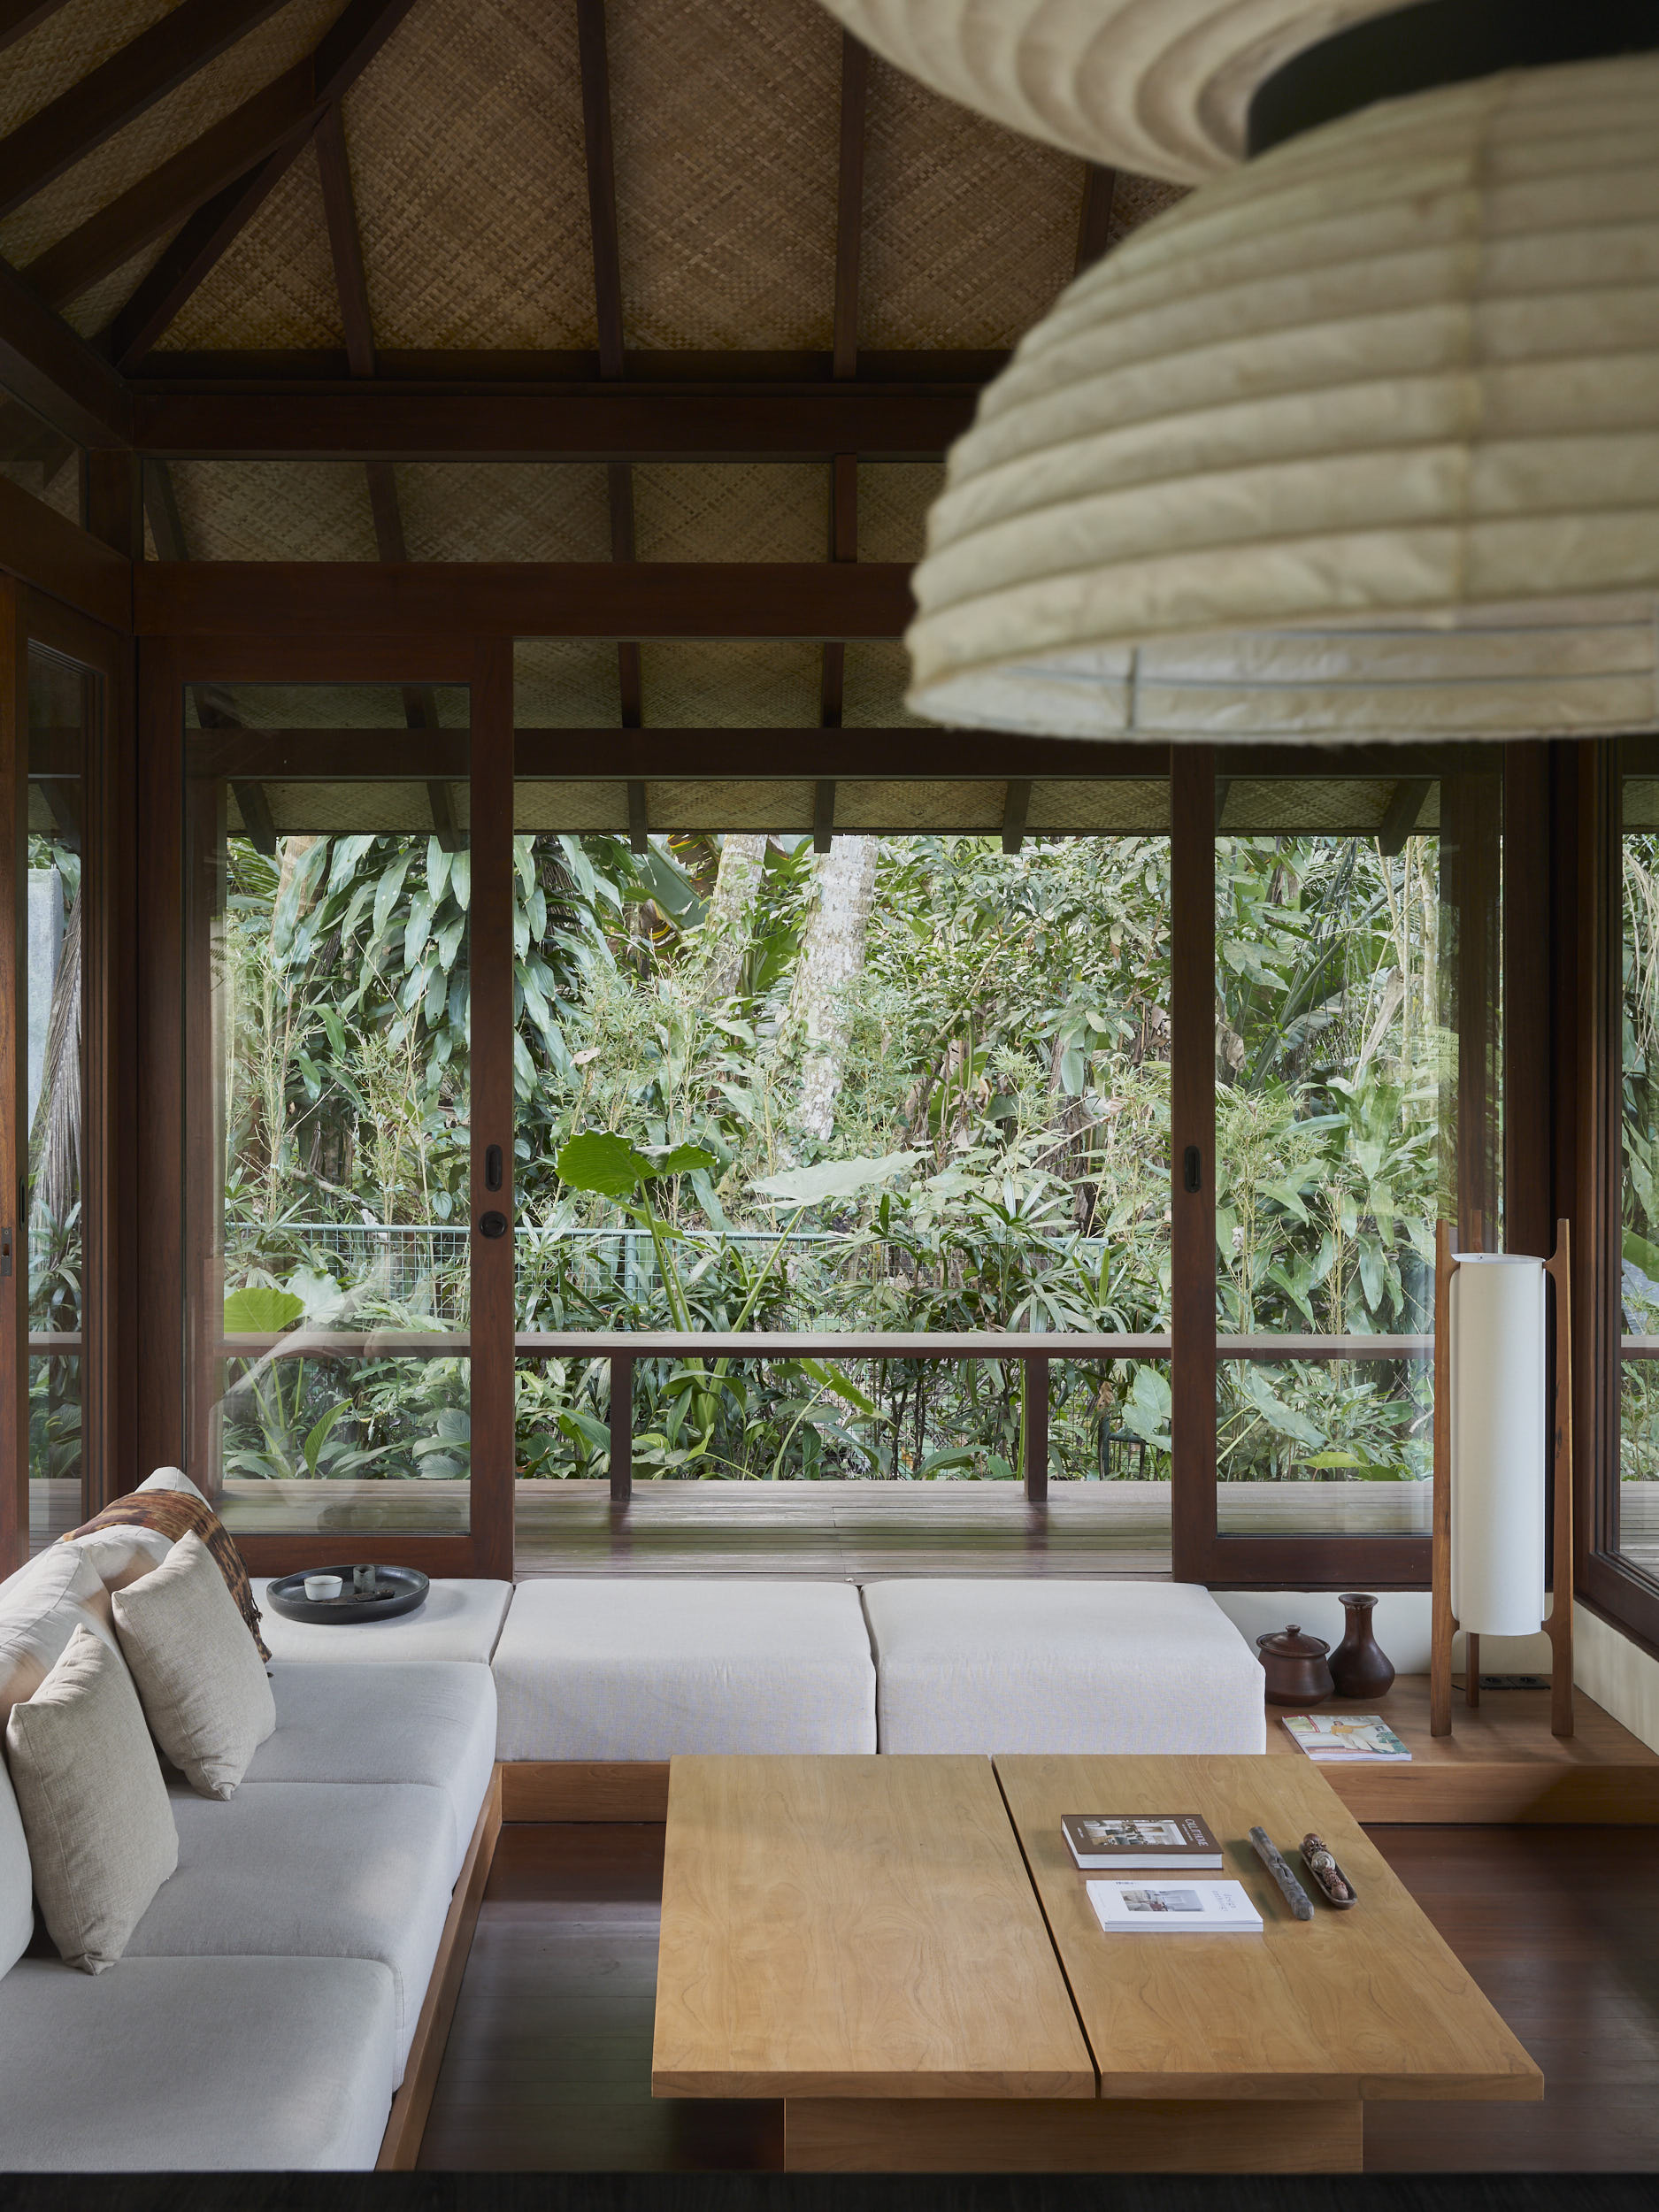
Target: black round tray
{"points": [[405, 1588]]}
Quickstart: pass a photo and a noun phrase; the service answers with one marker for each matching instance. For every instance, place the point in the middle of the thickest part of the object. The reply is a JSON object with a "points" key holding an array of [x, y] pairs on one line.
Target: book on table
{"points": [[1179, 1907], [1138, 1840], [1345, 1736]]}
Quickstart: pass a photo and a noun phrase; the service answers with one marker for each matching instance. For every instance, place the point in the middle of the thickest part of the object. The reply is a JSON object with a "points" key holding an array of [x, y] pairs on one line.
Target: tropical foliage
{"points": [[998, 1154]]}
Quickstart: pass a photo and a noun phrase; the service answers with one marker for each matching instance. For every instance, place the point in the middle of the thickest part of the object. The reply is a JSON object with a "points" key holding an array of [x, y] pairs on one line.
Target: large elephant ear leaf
{"points": [[261, 1310], [602, 1162]]}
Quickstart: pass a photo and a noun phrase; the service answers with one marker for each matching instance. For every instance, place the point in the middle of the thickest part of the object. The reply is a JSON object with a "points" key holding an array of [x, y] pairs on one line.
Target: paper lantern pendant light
{"points": [[1362, 440], [1500, 1443]]}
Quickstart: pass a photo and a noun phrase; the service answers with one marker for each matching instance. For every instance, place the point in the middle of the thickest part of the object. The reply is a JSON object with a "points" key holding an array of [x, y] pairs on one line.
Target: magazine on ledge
{"points": [[1135, 1840], [1147, 1908], [1331, 1736]]}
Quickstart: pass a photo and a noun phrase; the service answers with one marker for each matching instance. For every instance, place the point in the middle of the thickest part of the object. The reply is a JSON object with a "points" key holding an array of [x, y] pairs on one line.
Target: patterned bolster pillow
{"points": [[173, 1513]]}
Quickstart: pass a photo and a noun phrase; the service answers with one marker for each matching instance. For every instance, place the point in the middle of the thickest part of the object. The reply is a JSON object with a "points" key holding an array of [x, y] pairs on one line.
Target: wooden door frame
{"points": [[166, 667]]}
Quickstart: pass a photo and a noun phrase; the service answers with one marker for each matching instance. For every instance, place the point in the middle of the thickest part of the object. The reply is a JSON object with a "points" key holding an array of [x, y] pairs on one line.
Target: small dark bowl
{"points": [[403, 1589]]}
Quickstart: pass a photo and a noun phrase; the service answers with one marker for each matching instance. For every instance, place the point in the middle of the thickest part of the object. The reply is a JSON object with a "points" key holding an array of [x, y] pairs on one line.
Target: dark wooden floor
{"points": [[548, 2062]]}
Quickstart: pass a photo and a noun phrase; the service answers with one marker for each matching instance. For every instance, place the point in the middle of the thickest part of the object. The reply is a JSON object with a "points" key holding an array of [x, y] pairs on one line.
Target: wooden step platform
{"points": [[1499, 1764]]}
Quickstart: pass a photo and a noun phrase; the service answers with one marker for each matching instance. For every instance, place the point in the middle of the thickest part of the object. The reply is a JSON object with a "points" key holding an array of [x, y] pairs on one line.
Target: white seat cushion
{"points": [[236, 2064], [310, 1869], [647, 1668], [428, 1720], [459, 1620], [991, 1666]]}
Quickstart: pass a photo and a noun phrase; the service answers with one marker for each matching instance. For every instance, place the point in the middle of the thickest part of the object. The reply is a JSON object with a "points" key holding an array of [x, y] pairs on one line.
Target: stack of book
{"points": [[1345, 1738], [1127, 1841], [1148, 1907]]}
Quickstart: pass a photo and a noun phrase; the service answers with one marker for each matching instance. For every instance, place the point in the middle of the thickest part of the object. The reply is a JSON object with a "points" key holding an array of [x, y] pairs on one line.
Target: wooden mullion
{"points": [[14, 1264], [1193, 1533], [100, 103], [600, 152], [158, 1413], [849, 204], [489, 956]]}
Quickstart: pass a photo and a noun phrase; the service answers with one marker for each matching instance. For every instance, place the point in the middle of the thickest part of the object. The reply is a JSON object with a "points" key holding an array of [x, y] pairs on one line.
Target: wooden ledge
{"points": [[1500, 1762]]}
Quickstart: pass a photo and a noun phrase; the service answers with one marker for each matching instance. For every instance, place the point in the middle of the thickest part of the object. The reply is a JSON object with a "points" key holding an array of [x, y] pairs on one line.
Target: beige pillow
{"points": [[122, 1555], [41, 1607], [102, 1839], [200, 1680]]}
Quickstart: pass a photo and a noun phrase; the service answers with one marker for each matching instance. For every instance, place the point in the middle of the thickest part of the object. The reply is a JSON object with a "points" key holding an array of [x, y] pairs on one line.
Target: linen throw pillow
{"points": [[17, 1883], [203, 1687], [172, 1512], [100, 1828], [41, 1607]]}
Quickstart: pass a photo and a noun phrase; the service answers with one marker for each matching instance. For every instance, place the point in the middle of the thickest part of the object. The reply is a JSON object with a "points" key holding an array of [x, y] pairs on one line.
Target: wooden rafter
{"points": [[18, 17], [599, 157], [1093, 229], [351, 284], [849, 221], [340, 57], [54, 371], [145, 69]]}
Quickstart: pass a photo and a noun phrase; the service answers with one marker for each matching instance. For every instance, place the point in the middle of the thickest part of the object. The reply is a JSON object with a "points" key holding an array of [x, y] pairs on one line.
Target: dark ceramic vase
{"points": [[1359, 1666]]}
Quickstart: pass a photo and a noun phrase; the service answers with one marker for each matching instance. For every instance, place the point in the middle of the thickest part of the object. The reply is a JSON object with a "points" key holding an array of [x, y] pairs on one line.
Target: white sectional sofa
{"points": [[264, 2012]]}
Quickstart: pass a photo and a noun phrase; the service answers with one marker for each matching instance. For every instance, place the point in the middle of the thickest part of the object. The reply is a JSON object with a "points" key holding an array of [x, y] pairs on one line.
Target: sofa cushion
{"points": [[647, 1668], [1018, 1665], [202, 1685], [179, 2064], [41, 1607], [459, 1620], [169, 1504], [429, 1720], [17, 1881], [95, 1809], [310, 1869]]}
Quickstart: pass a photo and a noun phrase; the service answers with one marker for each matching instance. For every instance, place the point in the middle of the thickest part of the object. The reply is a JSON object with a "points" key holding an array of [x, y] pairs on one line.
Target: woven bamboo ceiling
{"points": [[490, 196]]}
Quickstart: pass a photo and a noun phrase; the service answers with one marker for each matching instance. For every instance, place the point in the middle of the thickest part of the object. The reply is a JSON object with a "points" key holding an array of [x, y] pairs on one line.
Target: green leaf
{"points": [[319, 1435], [830, 1378], [684, 1159], [602, 1162], [261, 1310], [833, 1179], [391, 884]]}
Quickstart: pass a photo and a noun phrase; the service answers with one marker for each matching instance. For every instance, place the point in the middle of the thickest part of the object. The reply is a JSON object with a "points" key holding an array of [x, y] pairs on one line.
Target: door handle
{"points": [[493, 1226], [1192, 1168], [492, 1168]]}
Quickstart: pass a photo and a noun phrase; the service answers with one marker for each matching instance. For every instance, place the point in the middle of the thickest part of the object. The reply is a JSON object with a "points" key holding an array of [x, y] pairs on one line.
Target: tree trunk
{"points": [[730, 924], [831, 957]]}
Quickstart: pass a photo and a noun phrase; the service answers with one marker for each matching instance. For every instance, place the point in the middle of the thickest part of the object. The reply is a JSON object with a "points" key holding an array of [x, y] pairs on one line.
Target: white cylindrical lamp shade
{"points": [[1499, 1444], [1361, 441]]}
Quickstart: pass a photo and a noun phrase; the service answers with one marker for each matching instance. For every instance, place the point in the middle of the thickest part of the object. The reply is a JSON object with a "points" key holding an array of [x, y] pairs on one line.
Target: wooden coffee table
{"points": [[901, 1949]]}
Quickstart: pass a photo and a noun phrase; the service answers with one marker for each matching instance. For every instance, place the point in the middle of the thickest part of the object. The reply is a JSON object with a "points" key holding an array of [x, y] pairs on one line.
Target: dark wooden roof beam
{"points": [[18, 17], [639, 827], [145, 69], [1016, 806], [627, 423], [823, 814], [345, 244], [340, 57], [54, 371], [849, 203], [601, 182], [1093, 229]]}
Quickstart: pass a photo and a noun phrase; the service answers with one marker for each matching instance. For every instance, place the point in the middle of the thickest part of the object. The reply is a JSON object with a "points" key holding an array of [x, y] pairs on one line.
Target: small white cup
{"points": [[317, 1587]]}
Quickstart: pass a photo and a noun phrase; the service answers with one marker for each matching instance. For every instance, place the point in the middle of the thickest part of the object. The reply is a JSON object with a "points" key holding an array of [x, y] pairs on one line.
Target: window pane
{"points": [[1636, 1533], [63, 706], [328, 1010], [978, 1039], [1358, 1017]]}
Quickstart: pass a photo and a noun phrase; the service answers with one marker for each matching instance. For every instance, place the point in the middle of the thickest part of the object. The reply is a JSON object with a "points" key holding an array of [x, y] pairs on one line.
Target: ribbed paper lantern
{"points": [[1359, 440], [1499, 1442], [1157, 87]]}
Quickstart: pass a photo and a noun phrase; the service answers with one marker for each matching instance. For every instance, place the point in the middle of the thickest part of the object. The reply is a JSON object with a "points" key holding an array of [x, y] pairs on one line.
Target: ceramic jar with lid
{"points": [[1295, 1667]]}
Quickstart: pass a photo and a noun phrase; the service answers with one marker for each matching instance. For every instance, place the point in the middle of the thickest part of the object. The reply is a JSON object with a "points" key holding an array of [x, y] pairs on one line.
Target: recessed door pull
{"points": [[5, 1251], [1193, 1169], [493, 1226], [492, 1168]]}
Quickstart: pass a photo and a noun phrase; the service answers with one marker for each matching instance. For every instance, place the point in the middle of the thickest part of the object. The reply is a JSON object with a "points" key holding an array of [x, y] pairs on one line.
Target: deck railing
{"points": [[623, 1349]]}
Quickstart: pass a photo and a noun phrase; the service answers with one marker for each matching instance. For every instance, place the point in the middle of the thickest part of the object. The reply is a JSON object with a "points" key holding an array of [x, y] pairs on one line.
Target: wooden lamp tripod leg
{"points": [[1559, 1625]]}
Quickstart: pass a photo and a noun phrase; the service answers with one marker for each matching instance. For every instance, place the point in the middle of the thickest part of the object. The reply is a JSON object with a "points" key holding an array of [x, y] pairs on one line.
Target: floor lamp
{"points": [[1503, 1464]]}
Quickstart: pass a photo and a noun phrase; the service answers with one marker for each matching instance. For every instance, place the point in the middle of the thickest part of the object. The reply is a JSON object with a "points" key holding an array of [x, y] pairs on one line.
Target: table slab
{"points": [[1365, 2004]]}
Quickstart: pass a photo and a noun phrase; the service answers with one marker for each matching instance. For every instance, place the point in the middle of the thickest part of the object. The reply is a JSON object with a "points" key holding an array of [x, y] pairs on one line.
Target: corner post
{"points": [[1034, 1430], [1444, 1625], [1558, 1627], [621, 1427]]}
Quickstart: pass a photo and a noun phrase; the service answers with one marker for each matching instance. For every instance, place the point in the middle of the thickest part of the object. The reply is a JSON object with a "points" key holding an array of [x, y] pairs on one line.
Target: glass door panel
{"points": [[1358, 1015], [65, 704], [328, 1149]]}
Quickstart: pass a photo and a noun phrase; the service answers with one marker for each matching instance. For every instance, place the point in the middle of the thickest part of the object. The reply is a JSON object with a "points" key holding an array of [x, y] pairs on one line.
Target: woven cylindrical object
{"points": [[1160, 87], [1361, 440], [1499, 1441]]}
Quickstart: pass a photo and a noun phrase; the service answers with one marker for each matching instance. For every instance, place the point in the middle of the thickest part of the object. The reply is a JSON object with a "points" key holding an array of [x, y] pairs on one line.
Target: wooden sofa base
{"points": [[584, 1789], [400, 2146]]}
